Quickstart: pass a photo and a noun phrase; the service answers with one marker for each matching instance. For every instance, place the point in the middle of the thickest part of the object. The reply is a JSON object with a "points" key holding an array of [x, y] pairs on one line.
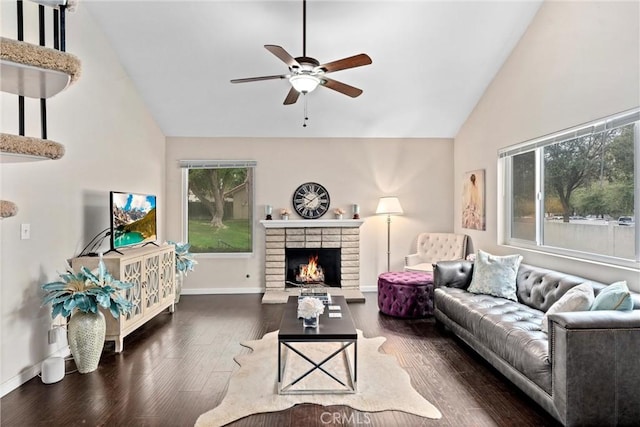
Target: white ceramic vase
{"points": [[86, 339], [178, 284]]}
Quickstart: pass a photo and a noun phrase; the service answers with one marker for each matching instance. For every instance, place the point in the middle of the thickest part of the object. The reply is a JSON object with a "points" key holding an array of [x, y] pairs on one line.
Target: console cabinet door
{"points": [[131, 272], [151, 281], [167, 275]]}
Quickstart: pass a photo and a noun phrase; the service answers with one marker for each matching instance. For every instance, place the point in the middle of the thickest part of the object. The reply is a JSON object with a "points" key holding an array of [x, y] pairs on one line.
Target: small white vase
{"points": [[178, 284], [338, 216], [285, 217], [86, 339]]}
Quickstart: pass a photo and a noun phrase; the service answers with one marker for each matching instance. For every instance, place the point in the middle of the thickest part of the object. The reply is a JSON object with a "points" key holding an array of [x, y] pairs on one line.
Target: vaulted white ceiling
{"points": [[432, 61]]}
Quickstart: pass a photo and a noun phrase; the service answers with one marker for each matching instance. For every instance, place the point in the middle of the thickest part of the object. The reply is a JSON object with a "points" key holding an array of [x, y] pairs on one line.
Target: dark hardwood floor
{"points": [[177, 367]]}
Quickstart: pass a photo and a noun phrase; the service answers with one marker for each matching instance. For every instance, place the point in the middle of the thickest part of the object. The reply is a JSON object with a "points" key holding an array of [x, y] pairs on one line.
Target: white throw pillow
{"points": [[495, 275], [578, 298]]}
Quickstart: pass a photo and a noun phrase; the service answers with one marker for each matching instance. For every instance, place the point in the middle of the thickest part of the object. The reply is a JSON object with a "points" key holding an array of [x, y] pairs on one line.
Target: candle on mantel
{"points": [[268, 209], [356, 211]]}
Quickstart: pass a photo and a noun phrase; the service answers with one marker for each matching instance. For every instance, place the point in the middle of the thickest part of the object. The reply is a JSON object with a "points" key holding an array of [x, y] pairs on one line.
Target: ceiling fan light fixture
{"points": [[304, 83]]}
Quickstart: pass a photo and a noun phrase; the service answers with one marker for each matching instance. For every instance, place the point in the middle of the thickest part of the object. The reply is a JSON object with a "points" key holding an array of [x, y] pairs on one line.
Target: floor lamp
{"points": [[389, 206]]}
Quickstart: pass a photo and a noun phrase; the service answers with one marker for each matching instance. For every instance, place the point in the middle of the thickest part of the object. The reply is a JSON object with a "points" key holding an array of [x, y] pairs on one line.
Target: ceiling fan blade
{"points": [[343, 64], [283, 55], [341, 87], [256, 79], [292, 97]]}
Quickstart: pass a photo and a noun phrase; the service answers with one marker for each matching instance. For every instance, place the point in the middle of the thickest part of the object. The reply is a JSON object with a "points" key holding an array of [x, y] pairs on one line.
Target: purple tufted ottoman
{"points": [[406, 294]]}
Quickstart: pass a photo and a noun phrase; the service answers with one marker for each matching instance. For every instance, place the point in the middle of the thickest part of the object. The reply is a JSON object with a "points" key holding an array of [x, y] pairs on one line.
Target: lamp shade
{"points": [[304, 83], [389, 206]]}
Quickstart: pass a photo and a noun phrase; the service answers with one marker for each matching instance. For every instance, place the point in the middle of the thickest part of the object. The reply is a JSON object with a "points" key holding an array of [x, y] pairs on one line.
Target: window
{"points": [[574, 192], [218, 206]]}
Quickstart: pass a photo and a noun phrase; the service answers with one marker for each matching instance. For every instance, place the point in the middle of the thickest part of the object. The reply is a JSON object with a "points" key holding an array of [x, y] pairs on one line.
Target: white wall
{"points": [[112, 143], [360, 171], [578, 61]]}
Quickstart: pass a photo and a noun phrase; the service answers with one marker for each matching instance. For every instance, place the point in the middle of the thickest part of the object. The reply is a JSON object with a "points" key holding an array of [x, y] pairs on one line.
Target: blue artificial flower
{"points": [[85, 291], [184, 259]]}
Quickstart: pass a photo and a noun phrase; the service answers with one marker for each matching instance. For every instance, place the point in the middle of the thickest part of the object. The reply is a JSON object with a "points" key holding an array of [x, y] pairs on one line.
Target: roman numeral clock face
{"points": [[311, 200]]}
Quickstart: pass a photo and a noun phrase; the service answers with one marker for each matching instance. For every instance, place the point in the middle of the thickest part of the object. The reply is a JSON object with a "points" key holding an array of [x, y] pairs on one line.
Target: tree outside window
{"points": [[591, 175], [588, 185], [220, 209]]}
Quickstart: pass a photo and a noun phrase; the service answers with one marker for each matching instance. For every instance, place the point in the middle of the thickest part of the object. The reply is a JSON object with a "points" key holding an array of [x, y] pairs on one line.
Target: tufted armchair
{"points": [[434, 247]]}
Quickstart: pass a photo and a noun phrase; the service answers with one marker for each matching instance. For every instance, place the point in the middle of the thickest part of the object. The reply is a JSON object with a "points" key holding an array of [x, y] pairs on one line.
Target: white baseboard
{"points": [[209, 291], [29, 373], [223, 291]]}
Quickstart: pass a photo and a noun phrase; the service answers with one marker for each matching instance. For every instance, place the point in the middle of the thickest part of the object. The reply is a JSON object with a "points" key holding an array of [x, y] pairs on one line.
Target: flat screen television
{"points": [[133, 219]]}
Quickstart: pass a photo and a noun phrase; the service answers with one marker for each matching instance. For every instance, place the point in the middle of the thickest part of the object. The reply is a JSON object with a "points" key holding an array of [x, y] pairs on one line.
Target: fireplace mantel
{"points": [[312, 223]]}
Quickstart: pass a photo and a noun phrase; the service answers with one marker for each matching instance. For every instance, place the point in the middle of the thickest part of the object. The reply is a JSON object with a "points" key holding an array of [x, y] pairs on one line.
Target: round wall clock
{"points": [[311, 200]]}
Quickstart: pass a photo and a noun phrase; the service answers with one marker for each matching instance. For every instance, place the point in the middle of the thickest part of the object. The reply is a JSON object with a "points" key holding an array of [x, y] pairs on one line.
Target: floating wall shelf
{"points": [[18, 148], [35, 71], [7, 209]]}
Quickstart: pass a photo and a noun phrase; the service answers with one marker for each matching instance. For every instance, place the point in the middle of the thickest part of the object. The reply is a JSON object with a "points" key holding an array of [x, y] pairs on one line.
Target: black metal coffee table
{"points": [[330, 329]]}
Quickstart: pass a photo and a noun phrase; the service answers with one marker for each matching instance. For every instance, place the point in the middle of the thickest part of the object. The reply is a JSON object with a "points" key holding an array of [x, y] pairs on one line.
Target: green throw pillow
{"points": [[614, 297], [495, 275]]}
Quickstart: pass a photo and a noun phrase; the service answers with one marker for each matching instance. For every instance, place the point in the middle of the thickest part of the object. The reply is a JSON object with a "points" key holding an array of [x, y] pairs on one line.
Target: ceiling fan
{"points": [[306, 73]]}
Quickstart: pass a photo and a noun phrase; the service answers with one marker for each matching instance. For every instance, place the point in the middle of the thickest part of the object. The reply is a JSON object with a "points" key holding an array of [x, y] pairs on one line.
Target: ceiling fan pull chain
{"points": [[306, 116]]}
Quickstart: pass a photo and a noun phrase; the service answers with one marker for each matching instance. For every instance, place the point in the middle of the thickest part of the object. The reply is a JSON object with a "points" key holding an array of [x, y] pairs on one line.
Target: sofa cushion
{"points": [[614, 297], [462, 306], [578, 298], [495, 275], [509, 329]]}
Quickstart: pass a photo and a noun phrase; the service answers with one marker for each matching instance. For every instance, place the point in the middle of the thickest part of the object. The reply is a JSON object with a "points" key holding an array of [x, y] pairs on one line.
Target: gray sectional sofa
{"points": [[585, 371]]}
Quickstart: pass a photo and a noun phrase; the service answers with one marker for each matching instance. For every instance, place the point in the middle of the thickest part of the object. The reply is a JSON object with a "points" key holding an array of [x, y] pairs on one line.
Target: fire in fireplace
{"points": [[311, 272], [319, 267]]}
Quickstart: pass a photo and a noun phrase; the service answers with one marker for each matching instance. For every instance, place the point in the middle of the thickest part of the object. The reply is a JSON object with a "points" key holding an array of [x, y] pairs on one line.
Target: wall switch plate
{"points": [[25, 231]]}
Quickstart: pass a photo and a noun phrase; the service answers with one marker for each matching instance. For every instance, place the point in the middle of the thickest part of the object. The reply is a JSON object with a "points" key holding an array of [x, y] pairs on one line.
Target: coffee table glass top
{"points": [[330, 328]]}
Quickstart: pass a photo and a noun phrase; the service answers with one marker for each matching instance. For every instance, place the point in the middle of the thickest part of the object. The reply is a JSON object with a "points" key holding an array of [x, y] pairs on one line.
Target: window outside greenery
{"points": [[574, 192], [219, 209]]}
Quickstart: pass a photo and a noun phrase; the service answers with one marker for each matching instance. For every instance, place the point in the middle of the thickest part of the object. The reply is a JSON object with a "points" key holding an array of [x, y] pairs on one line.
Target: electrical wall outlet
{"points": [[53, 335]]}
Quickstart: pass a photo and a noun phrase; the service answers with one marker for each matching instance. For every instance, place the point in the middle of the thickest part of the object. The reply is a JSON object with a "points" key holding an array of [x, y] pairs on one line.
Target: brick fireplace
{"points": [[311, 234]]}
